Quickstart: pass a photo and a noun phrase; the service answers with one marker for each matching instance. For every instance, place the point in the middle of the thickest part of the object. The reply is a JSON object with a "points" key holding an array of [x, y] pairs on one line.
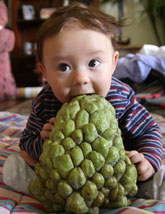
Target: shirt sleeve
{"points": [[44, 107], [30, 140], [140, 132]]}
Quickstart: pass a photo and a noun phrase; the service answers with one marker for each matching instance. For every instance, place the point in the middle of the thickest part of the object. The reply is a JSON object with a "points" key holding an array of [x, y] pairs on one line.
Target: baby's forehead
{"points": [[75, 33], [55, 28], [73, 23]]}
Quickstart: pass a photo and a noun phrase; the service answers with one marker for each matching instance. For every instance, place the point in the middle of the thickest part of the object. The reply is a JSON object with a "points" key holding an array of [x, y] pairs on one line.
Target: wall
{"points": [[140, 31]]}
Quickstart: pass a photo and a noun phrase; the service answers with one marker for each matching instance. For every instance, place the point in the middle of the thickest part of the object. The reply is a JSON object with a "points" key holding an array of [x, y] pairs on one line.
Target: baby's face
{"points": [[78, 61]]}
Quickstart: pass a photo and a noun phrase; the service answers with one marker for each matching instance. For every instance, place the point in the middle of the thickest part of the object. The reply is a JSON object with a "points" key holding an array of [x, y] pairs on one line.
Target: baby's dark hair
{"points": [[86, 16]]}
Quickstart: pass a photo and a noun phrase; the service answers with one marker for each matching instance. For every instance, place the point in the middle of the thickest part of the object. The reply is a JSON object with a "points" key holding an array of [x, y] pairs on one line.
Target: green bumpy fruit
{"points": [[83, 165]]}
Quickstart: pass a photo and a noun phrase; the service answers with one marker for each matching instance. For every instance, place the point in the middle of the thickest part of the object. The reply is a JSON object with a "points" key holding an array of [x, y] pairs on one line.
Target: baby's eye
{"points": [[63, 67], [94, 63]]}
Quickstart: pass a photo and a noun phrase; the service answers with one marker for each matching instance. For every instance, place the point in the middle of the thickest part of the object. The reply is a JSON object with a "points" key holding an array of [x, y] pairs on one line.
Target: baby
{"points": [[77, 55]]}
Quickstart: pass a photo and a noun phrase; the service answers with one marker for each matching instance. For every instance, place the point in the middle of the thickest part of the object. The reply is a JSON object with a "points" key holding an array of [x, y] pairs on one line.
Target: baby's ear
{"points": [[115, 59], [41, 68]]}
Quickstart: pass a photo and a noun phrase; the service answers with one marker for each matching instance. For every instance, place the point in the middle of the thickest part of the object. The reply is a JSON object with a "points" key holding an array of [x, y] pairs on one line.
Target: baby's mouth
{"points": [[83, 94], [88, 94]]}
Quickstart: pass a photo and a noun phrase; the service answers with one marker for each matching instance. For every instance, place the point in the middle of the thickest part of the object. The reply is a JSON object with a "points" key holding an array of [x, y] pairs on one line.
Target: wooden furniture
{"points": [[124, 50], [23, 58]]}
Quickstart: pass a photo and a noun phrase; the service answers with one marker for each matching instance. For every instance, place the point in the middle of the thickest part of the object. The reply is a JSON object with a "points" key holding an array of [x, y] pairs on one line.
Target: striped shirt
{"points": [[139, 130]]}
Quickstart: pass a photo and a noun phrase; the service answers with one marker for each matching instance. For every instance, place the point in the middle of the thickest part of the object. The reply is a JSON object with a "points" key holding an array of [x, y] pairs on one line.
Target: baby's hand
{"points": [[47, 129], [144, 168]]}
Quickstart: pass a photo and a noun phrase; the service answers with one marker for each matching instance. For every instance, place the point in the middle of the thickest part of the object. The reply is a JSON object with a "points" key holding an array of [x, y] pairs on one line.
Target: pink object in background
{"points": [[7, 41]]}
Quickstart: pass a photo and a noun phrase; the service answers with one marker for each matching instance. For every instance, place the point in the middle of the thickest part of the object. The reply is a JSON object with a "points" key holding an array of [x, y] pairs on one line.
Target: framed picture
{"points": [[28, 12], [45, 13]]}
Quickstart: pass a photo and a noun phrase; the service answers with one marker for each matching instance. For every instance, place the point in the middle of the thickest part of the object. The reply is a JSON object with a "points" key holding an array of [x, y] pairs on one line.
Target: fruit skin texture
{"points": [[83, 165]]}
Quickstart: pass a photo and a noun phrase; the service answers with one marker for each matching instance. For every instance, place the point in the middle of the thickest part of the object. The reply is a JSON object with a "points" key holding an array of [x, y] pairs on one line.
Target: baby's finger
{"points": [[52, 120], [139, 157], [142, 167], [132, 153], [146, 175], [45, 134], [47, 127]]}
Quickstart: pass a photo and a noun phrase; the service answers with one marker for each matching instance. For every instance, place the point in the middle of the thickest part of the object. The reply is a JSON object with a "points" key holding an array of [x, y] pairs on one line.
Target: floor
{"points": [[20, 106], [5, 104]]}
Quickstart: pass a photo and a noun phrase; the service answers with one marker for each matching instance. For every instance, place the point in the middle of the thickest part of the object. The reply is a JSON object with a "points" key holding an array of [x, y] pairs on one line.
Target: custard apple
{"points": [[83, 165]]}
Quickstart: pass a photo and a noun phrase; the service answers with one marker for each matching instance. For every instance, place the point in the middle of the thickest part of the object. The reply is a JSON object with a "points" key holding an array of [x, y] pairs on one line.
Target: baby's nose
{"points": [[81, 77]]}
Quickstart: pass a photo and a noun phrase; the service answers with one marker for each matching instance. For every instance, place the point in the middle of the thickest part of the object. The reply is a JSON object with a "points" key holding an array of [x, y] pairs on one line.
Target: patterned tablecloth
{"points": [[11, 126]]}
